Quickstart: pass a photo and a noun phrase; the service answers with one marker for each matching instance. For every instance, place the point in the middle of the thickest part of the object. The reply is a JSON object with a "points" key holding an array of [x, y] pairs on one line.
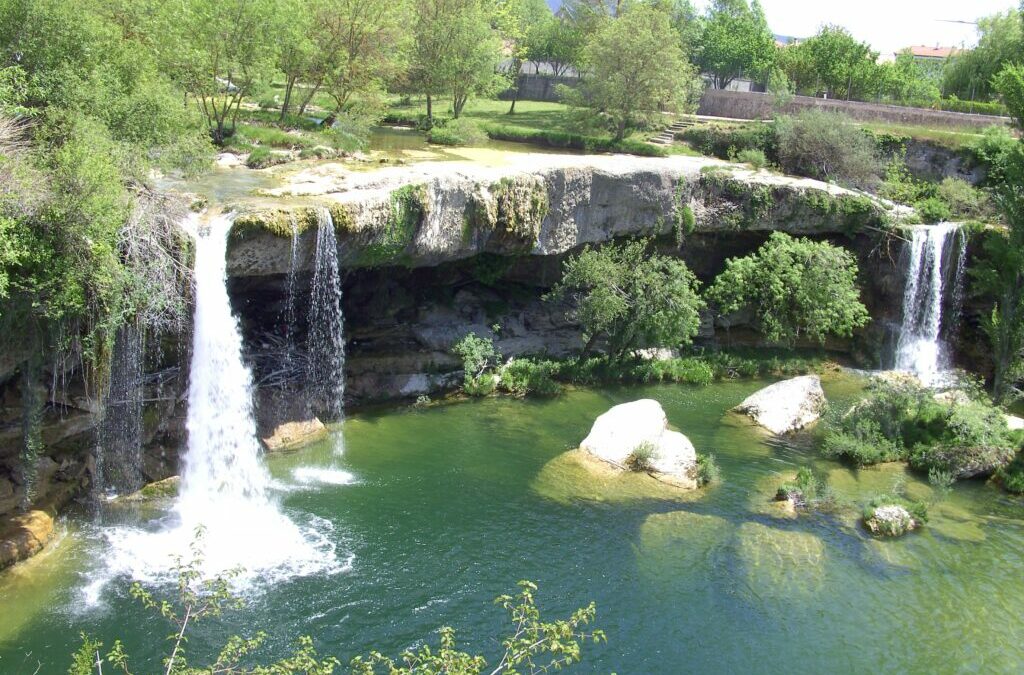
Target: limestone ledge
{"points": [[432, 213]]}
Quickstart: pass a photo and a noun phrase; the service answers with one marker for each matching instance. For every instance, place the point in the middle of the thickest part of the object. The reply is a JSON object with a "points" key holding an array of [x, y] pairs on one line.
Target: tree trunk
{"points": [[430, 109], [620, 131], [287, 97], [309, 97]]}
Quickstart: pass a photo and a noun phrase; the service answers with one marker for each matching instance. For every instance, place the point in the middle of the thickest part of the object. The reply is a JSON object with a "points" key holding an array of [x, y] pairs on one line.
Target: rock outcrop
{"points": [[629, 429], [23, 536], [294, 435], [786, 406], [431, 213], [890, 520]]}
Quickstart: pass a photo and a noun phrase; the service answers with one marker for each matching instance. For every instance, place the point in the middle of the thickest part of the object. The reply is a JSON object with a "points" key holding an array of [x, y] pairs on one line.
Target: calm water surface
{"points": [[451, 505]]}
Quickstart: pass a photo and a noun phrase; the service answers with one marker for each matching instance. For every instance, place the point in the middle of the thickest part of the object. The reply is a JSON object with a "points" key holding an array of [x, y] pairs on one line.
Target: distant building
{"points": [[929, 54], [786, 40]]}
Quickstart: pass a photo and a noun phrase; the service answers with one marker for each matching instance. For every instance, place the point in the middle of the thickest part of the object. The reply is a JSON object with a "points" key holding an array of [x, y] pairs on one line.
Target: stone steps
{"points": [[668, 135]]}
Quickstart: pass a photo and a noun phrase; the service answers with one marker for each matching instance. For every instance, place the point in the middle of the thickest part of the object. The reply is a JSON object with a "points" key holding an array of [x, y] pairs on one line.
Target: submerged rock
{"points": [[24, 536], [786, 406], [294, 435], [161, 489], [890, 520], [641, 426]]}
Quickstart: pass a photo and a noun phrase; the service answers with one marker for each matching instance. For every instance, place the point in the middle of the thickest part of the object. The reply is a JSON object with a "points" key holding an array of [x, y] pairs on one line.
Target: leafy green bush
{"points": [[564, 139], [900, 185], [631, 297], [992, 151], [707, 469], [966, 201], [918, 512], [933, 210], [754, 158], [526, 377], [728, 141], [797, 288], [642, 457], [460, 131], [261, 158], [478, 356], [1012, 475], [679, 370], [903, 421], [828, 147]]}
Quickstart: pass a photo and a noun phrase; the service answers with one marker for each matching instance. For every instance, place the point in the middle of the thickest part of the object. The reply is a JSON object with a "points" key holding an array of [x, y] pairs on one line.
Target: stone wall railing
{"points": [[753, 105]]}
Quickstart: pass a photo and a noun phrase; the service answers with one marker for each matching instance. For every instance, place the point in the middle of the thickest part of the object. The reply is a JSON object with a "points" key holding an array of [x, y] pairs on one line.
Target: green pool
{"points": [[451, 505]]}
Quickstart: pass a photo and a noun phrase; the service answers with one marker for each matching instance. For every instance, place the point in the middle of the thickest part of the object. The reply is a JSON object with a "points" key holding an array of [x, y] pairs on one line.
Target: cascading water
{"points": [[919, 349], [225, 487], [290, 316], [325, 373]]}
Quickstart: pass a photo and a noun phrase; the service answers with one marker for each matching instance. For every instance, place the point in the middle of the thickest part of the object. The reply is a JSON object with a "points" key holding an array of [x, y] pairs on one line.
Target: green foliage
{"points": [[735, 40], [642, 457], [903, 421], [797, 288], [631, 297], [522, 377], [966, 201], [806, 490], [573, 141], [456, 132], [993, 152], [829, 147], [1011, 476], [900, 185], [534, 646], [707, 469], [755, 158], [933, 210], [636, 70], [262, 158], [833, 61], [727, 140], [408, 208], [971, 73], [478, 356], [918, 513]]}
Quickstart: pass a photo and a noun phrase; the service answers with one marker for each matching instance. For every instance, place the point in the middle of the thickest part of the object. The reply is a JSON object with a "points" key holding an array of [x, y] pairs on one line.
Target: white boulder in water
{"points": [[619, 432], [786, 406]]}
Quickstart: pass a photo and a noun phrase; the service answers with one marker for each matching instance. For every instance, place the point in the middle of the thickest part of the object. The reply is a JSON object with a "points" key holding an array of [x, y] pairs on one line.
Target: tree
{"points": [[518, 22], [363, 45], [796, 288], [735, 40], [829, 147], [558, 42], [1001, 277], [835, 61], [456, 51], [218, 50], [906, 79], [630, 297], [296, 49], [969, 74], [636, 69]]}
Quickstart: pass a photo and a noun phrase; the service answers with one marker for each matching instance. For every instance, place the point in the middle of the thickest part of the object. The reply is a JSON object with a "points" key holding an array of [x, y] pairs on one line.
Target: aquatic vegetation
{"points": [[707, 470], [892, 515]]}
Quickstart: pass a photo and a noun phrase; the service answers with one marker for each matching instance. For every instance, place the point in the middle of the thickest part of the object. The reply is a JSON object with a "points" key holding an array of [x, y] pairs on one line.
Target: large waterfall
{"points": [[225, 487], [934, 272], [325, 373]]}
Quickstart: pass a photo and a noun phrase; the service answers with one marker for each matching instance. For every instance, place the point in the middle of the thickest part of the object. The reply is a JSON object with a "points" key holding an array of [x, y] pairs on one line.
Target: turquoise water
{"points": [[451, 505]]}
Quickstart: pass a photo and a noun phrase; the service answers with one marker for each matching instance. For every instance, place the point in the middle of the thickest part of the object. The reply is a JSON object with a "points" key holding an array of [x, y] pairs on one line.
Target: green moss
{"points": [[409, 206], [277, 222], [521, 204], [853, 212], [684, 222]]}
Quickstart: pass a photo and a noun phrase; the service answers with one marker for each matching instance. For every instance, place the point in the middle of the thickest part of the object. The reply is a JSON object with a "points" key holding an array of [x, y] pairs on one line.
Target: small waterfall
{"points": [[119, 451], [325, 374], [225, 486], [290, 315], [920, 349]]}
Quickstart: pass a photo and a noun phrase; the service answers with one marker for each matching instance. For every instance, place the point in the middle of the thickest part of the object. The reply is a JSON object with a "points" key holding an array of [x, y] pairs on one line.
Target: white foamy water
{"points": [[225, 485], [920, 349], [312, 475]]}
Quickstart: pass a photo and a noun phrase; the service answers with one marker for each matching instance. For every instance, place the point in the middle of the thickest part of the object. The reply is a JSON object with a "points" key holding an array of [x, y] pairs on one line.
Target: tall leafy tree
{"points": [[636, 68], [735, 40], [631, 298], [218, 51], [833, 61], [796, 288], [1001, 277], [456, 51], [520, 23], [969, 74]]}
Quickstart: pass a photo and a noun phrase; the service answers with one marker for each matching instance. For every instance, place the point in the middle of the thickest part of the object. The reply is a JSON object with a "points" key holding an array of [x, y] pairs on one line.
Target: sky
{"points": [[888, 25]]}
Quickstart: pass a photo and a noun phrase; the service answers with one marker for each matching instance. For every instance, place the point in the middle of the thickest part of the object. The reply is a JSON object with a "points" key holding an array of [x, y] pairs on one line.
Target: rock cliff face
{"points": [[434, 251], [540, 205]]}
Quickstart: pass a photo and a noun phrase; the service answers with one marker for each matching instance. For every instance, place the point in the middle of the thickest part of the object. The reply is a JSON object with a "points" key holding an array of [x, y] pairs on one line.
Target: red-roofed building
{"points": [[935, 53]]}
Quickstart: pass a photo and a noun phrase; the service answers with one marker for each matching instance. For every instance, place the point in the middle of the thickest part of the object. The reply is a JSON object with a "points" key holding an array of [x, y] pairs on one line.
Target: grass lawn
{"points": [[949, 138]]}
